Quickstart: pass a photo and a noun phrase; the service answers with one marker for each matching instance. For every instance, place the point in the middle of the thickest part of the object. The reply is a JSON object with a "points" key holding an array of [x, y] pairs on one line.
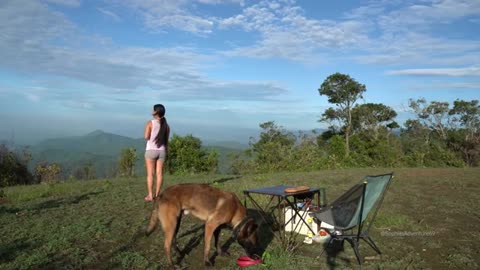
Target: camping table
{"points": [[278, 193]]}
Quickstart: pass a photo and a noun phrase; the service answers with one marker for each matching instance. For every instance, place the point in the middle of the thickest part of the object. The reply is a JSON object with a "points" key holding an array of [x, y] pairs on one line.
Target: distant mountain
{"points": [[225, 144], [98, 147], [97, 142], [103, 149]]}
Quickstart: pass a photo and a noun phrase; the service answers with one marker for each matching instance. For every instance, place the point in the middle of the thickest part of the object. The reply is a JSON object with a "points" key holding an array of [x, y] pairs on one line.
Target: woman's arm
{"points": [[148, 130]]}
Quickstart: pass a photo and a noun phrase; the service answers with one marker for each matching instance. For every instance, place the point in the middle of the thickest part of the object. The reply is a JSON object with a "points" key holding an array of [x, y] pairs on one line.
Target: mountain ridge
{"points": [[102, 150]]}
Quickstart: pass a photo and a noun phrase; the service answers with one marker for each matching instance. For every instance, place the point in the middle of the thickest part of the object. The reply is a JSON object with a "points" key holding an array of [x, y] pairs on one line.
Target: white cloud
{"points": [[402, 32], [32, 97], [447, 86], [162, 15], [110, 14], [69, 3], [287, 33], [28, 44], [217, 2], [473, 71], [379, 32], [414, 48], [426, 13]]}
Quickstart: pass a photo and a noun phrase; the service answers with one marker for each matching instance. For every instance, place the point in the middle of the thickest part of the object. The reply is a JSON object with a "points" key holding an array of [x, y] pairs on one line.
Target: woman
{"points": [[156, 134]]}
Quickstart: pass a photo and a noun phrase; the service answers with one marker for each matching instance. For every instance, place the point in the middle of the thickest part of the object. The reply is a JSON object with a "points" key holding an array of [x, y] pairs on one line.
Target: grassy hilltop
{"points": [[98, 224]]}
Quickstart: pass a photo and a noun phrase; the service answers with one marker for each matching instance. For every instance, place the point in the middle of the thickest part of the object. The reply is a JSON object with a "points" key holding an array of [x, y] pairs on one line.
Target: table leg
{"points": [[264, 213]]}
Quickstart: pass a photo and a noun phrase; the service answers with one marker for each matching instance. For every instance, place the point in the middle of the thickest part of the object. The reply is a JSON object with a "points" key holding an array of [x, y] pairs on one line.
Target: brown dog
{"points": [[214, 206]]}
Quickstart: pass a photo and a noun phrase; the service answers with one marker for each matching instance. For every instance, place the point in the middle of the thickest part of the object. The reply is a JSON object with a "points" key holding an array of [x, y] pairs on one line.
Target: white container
{"points": [[296, 224]]}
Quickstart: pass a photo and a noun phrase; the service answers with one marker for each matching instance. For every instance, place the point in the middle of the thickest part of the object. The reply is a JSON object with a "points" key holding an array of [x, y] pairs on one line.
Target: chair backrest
{"points": [[347, 209]]}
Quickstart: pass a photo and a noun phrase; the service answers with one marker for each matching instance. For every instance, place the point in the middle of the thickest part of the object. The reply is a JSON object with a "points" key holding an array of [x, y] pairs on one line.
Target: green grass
{"points": [[98, 224]]}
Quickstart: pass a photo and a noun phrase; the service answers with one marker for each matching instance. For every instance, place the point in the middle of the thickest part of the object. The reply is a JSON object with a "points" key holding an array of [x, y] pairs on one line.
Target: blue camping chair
{"points": [[350, 212]]}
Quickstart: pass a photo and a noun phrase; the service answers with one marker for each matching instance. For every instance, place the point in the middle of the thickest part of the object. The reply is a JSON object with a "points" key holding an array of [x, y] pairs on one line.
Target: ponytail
{"points": [[162, 136]]}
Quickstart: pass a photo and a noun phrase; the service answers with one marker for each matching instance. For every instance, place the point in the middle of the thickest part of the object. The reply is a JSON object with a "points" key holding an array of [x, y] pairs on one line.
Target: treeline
{"points": [[186, 155], [367, 135]]}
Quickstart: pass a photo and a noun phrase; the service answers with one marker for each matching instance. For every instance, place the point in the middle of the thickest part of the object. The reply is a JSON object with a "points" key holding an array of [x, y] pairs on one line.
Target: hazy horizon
{"points": [[242, 136], [222, 67]]}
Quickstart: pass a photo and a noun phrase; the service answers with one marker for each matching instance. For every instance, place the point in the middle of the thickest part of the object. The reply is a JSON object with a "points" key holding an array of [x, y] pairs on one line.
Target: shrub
{"points": [[13, 169]]}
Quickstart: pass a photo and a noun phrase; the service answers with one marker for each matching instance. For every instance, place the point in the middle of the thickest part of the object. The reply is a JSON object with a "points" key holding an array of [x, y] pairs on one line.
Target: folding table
{"points": [[277, 200]]}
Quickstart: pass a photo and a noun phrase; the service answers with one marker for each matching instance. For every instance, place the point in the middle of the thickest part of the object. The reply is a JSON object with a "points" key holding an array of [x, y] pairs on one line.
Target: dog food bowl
{"points": [[245, 261]]}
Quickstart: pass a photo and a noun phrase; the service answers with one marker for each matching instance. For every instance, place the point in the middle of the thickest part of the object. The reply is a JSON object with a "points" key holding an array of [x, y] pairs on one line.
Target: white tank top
{"points": [[151, 145]]}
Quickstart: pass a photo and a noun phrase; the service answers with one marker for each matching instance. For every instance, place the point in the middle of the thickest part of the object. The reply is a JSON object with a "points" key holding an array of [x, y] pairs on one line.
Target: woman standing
{"points": [[156, 134]]}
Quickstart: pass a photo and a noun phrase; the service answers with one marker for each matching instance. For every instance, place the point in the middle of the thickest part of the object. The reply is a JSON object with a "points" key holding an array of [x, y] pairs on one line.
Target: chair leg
{"points": [[327, 245], [372, 244], [354, 242]]}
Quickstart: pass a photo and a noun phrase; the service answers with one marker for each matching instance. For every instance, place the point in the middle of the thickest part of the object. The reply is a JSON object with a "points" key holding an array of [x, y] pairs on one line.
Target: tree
{"points": [[86, 172], [466, 139], [128, 158], [271, 152], [13, 169], [186, 155], [434, 115], [343, 91], [370, 117], [47, 173], [467, 114]]}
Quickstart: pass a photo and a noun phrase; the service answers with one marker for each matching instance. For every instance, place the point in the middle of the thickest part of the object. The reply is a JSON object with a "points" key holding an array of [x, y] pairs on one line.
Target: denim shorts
{"points": [[155, 154]]}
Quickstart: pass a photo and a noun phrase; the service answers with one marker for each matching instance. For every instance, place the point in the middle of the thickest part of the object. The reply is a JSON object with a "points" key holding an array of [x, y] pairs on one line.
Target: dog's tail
{"points": [[152, 224]]}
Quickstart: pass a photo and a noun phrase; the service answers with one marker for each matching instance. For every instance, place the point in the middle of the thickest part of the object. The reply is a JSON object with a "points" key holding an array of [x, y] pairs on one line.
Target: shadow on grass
{"points": [[49, 204], [64, 201], [106, 262], [9, 251], [224, 179], [333, 251], [8, 210], [190, 239]]}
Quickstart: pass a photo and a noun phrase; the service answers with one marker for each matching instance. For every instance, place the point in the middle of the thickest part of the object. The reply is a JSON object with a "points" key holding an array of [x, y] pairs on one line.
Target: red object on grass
{"points": [[323, 233], [245, 261]]}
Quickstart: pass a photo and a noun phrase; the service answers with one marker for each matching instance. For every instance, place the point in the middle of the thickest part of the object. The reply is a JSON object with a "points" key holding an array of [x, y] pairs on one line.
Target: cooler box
{"points": [[296, 224]]}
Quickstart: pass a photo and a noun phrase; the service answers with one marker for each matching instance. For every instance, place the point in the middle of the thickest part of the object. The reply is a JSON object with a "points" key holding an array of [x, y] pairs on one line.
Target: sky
{"points": [[222, 67]]}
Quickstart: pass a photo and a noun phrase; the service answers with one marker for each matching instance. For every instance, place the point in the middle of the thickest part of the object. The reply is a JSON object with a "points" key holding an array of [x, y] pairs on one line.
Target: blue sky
{"points": [[222, 67]]}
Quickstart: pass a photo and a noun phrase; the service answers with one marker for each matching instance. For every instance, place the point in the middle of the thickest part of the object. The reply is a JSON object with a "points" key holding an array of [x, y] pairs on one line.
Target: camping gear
{"points": [[350, 212]]}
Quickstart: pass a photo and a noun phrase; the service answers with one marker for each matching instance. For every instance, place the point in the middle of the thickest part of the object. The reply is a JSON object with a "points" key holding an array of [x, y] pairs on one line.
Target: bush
{"points": [[186, 156], [13, 170], [47, 173]]}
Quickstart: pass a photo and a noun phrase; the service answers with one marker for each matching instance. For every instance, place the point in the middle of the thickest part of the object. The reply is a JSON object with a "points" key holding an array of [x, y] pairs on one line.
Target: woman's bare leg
{"points": [[150, 165], [159, 173]]}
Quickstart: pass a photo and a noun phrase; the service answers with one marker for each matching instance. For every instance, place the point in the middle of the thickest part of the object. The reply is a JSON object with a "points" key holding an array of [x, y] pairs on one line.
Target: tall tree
{"points": [[343, 91], [466, 138], [467, 114], [371, 117], [434, 115]]}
